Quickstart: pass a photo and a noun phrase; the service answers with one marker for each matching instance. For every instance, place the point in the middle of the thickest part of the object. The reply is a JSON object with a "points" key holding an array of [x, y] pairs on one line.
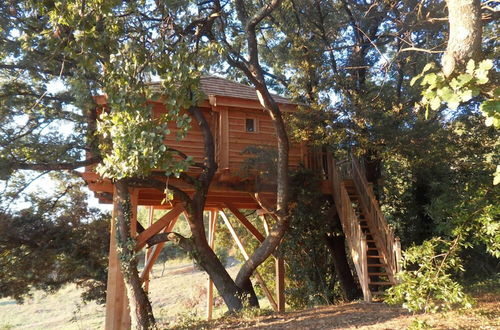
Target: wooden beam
{"points": [[157, 250], [245, 255], [212, 225], [117, 315], [147, 255], [280, 283], [156, 227], [248, 225]]}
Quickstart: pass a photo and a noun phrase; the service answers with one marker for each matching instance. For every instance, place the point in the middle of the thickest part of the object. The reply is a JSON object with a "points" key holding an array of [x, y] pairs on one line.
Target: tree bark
{"points": [[465, 35], [141, 312], [254, 72], [230, 291], [336, 244]]}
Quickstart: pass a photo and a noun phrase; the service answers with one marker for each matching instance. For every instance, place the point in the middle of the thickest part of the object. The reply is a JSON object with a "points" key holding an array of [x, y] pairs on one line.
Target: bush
{"points": [[427, 283]]}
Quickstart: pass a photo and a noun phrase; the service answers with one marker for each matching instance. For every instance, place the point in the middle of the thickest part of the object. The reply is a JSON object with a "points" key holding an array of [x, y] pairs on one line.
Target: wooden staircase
{"points": [[374, 249]]}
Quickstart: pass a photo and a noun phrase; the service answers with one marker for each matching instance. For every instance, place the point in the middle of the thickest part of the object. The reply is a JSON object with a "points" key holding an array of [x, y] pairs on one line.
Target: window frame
{"points": [[255, 125]]}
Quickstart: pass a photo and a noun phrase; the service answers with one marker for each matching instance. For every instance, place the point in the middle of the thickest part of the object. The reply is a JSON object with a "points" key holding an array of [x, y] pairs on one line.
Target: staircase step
{"points": [[373, 256], [377, 265], [372, 248], [376, 274]]}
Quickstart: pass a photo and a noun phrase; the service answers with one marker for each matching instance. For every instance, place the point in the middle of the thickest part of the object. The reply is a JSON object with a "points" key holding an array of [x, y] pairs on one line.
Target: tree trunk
{"points": [[336, 243], [464, 42], [208, 260], [141, 313]]}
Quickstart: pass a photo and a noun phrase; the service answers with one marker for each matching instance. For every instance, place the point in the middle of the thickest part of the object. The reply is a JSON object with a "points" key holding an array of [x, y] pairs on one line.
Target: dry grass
{"points": [[179, 296]]}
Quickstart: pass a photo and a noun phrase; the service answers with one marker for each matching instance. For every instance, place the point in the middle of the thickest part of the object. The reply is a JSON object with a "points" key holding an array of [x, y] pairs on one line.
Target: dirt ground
{"points": [[360, 315]]}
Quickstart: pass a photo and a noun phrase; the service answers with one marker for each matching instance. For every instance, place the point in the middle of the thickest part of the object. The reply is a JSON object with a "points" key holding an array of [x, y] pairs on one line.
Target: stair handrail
{"points": [[356, 239], [391, 248]]}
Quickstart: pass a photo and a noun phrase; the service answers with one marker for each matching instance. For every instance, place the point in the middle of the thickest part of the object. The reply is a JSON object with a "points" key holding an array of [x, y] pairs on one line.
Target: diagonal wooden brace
{"points": [[156, 227]]}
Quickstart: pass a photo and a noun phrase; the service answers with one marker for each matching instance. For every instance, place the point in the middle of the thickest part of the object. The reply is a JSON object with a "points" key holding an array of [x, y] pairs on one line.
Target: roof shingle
{"points": [[212, 85]]}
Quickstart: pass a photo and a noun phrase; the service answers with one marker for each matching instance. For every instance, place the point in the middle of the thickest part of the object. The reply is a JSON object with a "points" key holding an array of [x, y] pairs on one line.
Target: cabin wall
{"points": [[193, 143], [230, 136], [264, 136]]}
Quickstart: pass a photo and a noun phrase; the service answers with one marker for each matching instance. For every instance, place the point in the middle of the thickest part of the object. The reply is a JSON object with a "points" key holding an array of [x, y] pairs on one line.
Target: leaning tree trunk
{"points": [[208, 260], [141, 313], [231, 292], [336, 244], [464, 42]]}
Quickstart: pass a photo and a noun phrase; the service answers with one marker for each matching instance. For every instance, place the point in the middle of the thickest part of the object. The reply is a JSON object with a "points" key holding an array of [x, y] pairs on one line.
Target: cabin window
{"points": [[250, 125]]}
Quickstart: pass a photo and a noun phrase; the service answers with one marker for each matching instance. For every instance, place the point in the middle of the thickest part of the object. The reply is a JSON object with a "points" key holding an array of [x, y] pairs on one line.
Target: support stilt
{"points": [[117, 312], [147, 255], [280, 283], [211, 241]]}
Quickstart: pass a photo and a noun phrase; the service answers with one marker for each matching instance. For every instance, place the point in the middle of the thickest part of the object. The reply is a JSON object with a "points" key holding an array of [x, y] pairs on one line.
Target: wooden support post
{"points": [[245, 255], [117, 313], [212, 225], [280, 283], [147, 255]]}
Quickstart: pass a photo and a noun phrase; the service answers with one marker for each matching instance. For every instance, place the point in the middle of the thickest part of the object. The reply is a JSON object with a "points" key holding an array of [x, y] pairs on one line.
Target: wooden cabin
{"points": [[238, 121]]}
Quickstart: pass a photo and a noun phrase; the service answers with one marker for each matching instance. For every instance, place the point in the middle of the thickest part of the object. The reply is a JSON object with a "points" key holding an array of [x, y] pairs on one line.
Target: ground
{"points": [[485, 315], [178, 293]]}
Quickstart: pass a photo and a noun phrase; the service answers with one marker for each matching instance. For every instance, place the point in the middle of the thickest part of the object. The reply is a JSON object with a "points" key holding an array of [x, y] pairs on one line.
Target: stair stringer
{"points": [[356, 239], [388, 244]]}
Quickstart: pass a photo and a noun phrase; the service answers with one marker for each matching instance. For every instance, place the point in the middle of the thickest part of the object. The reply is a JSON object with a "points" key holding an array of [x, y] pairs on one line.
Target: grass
{"points": [[179, 302], [182, 288]]}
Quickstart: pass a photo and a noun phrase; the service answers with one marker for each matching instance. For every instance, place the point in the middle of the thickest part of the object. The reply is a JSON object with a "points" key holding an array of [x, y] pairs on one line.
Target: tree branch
{"points": [[54, 166]]}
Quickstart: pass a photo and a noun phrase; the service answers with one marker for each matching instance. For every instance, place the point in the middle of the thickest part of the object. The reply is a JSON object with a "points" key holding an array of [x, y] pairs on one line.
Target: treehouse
{"points": [[238, 123]]}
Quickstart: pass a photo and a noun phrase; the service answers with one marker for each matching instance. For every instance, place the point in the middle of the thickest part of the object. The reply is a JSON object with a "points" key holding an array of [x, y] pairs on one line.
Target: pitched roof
{"points": [[212, 85]]}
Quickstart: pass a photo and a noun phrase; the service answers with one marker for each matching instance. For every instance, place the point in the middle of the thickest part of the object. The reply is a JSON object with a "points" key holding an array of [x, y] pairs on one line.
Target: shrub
{"points": [[427, 283]]}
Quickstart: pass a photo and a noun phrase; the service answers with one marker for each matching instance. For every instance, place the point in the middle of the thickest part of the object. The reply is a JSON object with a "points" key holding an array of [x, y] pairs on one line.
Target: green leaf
{"points": [[445, 93], [485, 65], [464, 78], [454, 102], [435, 103], [471, 65], [466, 95], [428, 66], [482, 79], [414, 79], [490, 107]]}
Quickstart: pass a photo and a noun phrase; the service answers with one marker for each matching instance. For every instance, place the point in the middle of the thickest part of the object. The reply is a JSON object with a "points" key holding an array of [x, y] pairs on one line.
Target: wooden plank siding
{"points": [[264, 136], [230, 136]]}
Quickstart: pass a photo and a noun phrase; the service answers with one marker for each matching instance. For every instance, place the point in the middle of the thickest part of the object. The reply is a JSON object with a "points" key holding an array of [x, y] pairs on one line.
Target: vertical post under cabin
{"points": [[212, 223], [117, 311]]}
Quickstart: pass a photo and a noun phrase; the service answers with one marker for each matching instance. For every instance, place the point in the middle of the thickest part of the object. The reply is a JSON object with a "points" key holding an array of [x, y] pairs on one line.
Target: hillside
{"points": [[178, 297]]}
